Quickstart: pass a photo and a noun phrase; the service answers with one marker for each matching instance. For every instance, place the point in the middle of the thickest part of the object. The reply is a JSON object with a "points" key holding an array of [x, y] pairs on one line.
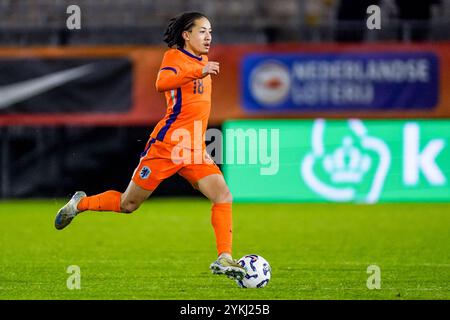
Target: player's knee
{"points": [[228, 197], [129, 206], [224, 197]]}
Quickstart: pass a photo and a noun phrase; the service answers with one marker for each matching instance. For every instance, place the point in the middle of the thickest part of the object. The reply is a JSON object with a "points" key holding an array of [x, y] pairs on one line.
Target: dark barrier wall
{"points": [[116, 86], [55, 161], [74, 118], [104, 86]]}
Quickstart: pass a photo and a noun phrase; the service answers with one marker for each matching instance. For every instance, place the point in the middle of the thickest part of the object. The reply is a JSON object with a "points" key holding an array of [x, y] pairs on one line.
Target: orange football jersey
{"points": [[188, 98]]}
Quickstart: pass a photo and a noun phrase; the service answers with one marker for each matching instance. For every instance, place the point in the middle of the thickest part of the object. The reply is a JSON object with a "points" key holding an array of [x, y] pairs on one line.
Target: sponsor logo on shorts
{"points": [[145, 172]]}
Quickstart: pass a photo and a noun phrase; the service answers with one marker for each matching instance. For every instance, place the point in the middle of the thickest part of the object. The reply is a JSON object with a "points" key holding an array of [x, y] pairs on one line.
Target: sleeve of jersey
{"points": [[172, 76]]}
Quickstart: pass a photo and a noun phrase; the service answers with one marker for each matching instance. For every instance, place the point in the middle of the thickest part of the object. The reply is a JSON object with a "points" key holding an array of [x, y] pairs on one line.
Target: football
{"points": [[258, 271]]}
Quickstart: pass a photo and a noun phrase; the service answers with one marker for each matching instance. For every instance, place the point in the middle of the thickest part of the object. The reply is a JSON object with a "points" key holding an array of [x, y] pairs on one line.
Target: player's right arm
{"points": [[172, 76]]}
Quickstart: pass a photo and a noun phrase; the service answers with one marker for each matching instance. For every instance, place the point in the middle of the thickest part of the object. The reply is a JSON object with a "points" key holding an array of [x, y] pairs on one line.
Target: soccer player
{"points": [[185, 79]]}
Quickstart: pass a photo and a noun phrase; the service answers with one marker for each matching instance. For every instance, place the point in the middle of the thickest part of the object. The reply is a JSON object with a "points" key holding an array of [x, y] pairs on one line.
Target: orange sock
{"points": [[221, 219], [106, 201]]}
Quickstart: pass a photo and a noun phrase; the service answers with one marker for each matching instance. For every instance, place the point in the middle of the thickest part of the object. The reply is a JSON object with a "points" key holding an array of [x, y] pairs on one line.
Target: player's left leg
{"points": [[154, 166], [110, 200]]}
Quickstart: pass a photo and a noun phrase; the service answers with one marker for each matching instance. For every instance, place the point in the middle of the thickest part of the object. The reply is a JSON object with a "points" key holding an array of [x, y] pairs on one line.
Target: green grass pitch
{"points": [[163, 251]]}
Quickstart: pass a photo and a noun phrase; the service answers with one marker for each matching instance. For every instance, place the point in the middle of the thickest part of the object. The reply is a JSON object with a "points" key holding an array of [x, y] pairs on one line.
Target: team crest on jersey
{"points": [[145, 172]]}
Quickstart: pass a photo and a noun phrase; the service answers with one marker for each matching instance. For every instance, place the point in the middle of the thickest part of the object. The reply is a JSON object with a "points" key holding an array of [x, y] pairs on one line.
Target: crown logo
{"points": [[347, 164]]}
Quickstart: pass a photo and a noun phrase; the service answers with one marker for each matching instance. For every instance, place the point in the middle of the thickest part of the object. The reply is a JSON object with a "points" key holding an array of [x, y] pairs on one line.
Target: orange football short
{"points": [[161, 160]]}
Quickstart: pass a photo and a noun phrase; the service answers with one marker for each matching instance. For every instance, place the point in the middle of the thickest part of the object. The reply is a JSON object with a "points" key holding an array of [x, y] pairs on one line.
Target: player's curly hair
{"points": [[183, 22]]}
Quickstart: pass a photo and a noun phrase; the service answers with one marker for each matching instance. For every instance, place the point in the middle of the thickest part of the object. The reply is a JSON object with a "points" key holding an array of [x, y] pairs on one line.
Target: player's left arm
{"points": [[172, 77]]}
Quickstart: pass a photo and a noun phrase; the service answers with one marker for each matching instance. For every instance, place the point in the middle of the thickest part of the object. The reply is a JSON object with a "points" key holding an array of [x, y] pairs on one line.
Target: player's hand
{"points": [[211, 67]]}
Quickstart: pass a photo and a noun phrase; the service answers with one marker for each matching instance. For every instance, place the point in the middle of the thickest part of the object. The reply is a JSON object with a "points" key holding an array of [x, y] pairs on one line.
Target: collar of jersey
{"points": [[190, 54]]}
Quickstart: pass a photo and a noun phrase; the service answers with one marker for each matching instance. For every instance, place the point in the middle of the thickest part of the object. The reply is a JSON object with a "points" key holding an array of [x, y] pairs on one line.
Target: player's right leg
{"points": [[215, 189], [208, 179]]}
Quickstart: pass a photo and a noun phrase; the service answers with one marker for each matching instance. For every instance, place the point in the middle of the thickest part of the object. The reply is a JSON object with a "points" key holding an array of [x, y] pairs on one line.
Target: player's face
{"points": [[198, 40]]}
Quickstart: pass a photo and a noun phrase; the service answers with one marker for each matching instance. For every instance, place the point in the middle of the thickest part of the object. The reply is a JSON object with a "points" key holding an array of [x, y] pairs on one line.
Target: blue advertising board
{"points": [[340, 81]]}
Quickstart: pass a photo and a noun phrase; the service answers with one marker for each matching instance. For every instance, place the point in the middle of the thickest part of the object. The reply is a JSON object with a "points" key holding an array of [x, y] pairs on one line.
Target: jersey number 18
{"points": [[198, 86]]}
